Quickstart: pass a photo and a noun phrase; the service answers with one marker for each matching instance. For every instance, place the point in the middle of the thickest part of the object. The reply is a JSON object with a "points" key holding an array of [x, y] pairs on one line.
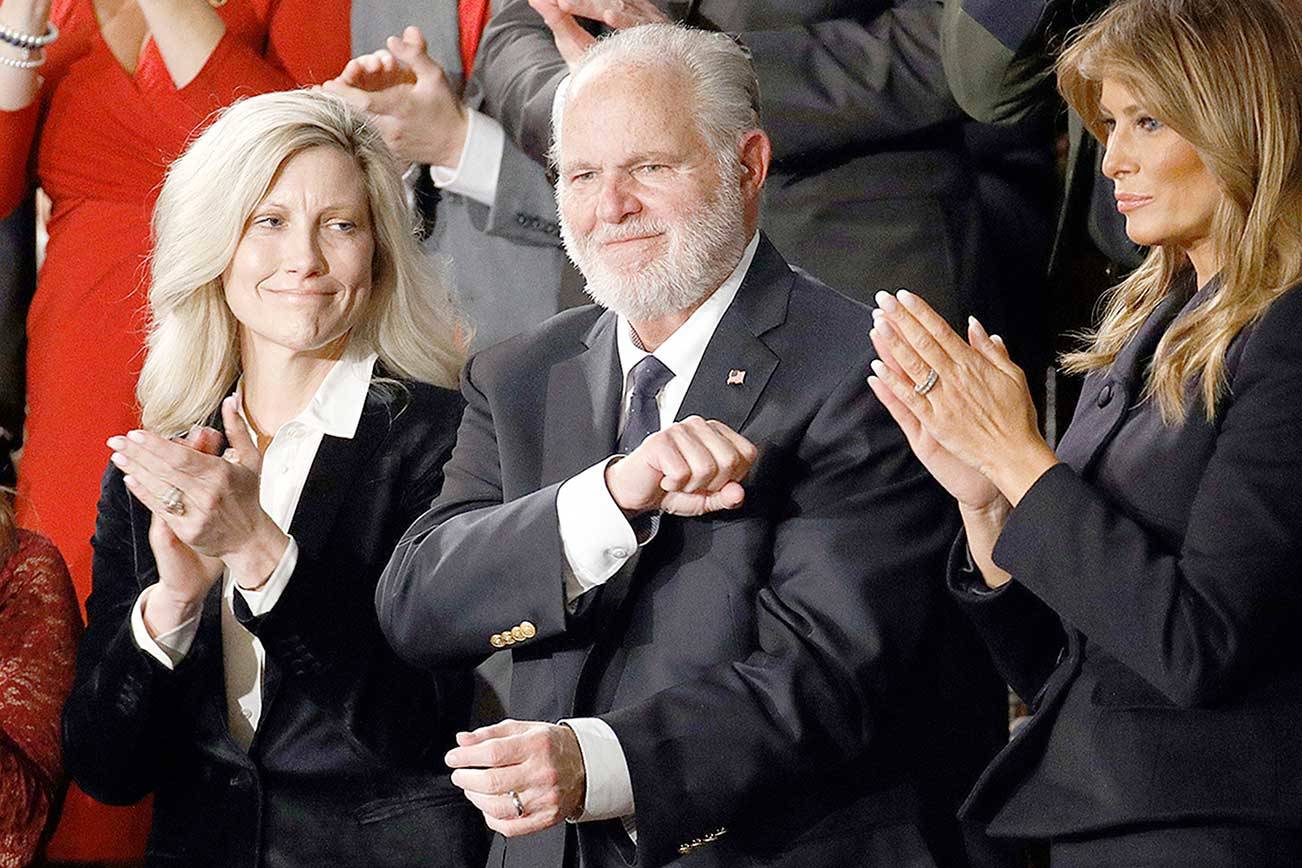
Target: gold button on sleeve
{"points": [[528, 629], [517, 633], [496, 641]]}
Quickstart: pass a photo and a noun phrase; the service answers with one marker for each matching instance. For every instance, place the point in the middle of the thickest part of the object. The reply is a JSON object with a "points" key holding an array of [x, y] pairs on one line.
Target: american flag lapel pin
{"points": [[736, 377]]}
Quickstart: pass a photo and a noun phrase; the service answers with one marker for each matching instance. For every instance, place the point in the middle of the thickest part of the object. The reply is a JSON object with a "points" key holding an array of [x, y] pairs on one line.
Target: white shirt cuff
{"points": [[167, 648], [476, 173], [609, 787], [261, 601], [595, 537]]}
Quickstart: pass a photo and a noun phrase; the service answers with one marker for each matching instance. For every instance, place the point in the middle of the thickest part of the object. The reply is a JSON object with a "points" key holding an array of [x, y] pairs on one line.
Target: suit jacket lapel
{"points": [[579, 428], [329, 483], [333, 475], [1094, 425], [581, 411], [736, 352]]}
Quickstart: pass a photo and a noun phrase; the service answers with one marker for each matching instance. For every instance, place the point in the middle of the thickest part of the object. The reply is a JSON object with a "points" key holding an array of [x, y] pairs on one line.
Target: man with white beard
{"points": [[705, 544]]}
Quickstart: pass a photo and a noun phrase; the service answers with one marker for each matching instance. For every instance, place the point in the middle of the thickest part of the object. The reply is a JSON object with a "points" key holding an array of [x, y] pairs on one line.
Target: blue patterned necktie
{"points": [[649, 377]]}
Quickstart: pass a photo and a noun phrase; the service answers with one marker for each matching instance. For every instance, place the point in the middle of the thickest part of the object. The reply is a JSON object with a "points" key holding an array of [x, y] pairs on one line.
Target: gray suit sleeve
{"points": [[524, 208], [519, 69], [824, 86], [850, 82], [999, 54]]}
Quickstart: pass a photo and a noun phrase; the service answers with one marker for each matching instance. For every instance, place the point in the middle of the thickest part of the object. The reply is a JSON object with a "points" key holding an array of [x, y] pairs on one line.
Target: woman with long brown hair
{"points": [[1139, 587]]}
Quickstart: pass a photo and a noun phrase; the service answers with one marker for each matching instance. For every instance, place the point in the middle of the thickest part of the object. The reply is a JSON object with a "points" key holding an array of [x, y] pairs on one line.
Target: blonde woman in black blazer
{"points": [[232, 663], [1139, 588]]}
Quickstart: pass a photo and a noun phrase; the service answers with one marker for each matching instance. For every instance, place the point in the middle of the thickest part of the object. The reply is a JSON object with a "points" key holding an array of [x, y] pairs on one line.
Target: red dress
{"points": [[105, 138], [39, 626]]}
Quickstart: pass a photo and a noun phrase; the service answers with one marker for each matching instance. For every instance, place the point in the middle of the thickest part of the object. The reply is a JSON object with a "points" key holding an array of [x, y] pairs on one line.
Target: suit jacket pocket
{"points": [[434, 829]]}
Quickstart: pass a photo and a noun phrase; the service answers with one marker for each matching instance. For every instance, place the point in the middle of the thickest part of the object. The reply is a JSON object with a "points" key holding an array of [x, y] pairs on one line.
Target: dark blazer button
{"points": [[241, 780], [1105, 395], [521, 219]]}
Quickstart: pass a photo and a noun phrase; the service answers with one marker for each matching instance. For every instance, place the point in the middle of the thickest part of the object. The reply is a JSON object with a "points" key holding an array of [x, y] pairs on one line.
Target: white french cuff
{"points": [[476, 173], [609, 786], [167, 648], [596, 538], [261, 601]]}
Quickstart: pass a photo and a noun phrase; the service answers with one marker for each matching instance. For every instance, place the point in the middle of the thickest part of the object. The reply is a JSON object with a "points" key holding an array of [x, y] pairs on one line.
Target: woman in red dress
{"points": [[122, 88], [39, 626]]}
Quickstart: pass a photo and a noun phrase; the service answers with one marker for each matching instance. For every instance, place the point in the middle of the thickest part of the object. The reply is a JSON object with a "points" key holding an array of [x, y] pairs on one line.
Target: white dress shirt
{"points": [[476, 173], [335, 409], [598, 540]]}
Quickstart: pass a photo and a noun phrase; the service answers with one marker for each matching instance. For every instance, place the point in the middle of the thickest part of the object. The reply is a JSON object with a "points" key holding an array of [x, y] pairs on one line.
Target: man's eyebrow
{"points": [[569, 168], [652, 157], [657, 156]]}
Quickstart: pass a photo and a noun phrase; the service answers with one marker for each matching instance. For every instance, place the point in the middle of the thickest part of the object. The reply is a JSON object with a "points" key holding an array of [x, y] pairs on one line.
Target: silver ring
{"points": [[173, 501], [519, 805], [928, 384]]}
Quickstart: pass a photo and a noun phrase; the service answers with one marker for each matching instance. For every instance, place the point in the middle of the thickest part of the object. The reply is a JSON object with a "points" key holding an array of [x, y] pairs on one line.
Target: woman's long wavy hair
{"points": [[1226, 75], [193, 350]]}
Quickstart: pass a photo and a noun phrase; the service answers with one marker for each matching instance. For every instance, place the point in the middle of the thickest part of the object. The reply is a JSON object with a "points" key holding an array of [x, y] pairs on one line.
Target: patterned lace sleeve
{"points": [[39, 626]]}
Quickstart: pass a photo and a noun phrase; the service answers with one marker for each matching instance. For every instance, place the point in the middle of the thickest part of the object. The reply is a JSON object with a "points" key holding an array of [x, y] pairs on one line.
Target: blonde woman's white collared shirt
{"points": [[335, 410]]}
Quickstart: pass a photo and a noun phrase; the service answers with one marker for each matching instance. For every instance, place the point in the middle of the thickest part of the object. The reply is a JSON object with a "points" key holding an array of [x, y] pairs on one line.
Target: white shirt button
{"points": [[619, 552], [248, 713]]}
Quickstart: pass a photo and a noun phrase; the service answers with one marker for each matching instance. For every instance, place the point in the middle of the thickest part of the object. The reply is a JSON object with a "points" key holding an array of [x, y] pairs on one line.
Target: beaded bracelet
{"points": [[19, 39], [30, 63]]}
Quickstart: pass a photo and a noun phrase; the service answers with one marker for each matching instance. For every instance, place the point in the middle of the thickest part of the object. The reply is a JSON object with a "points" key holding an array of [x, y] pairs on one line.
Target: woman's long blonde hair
{"points": [[1226, 75], [193, 355]]}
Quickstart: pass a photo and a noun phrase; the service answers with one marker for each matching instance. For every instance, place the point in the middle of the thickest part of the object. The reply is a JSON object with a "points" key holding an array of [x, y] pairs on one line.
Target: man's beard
{"points": [[704, 247]]}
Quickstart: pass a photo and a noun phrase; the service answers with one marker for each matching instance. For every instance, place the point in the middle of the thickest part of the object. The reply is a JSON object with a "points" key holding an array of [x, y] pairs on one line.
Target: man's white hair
{"points": [[718, 69]]}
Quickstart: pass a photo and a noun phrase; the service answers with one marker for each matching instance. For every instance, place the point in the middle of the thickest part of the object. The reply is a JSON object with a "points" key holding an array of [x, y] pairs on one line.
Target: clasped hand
{"points": [[689, 468], [524, 776], [974, 427], [205, 508], [409, 100]]}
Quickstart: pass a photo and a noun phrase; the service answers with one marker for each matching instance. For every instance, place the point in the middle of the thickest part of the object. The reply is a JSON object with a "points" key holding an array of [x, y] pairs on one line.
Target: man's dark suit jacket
{"points": [[346, 766], [872, 185], [1165, 680], [791, 671]]}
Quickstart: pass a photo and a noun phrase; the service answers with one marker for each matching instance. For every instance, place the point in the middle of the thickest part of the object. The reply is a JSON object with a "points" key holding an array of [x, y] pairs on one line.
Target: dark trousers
{"points": [[1194, 846]]}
